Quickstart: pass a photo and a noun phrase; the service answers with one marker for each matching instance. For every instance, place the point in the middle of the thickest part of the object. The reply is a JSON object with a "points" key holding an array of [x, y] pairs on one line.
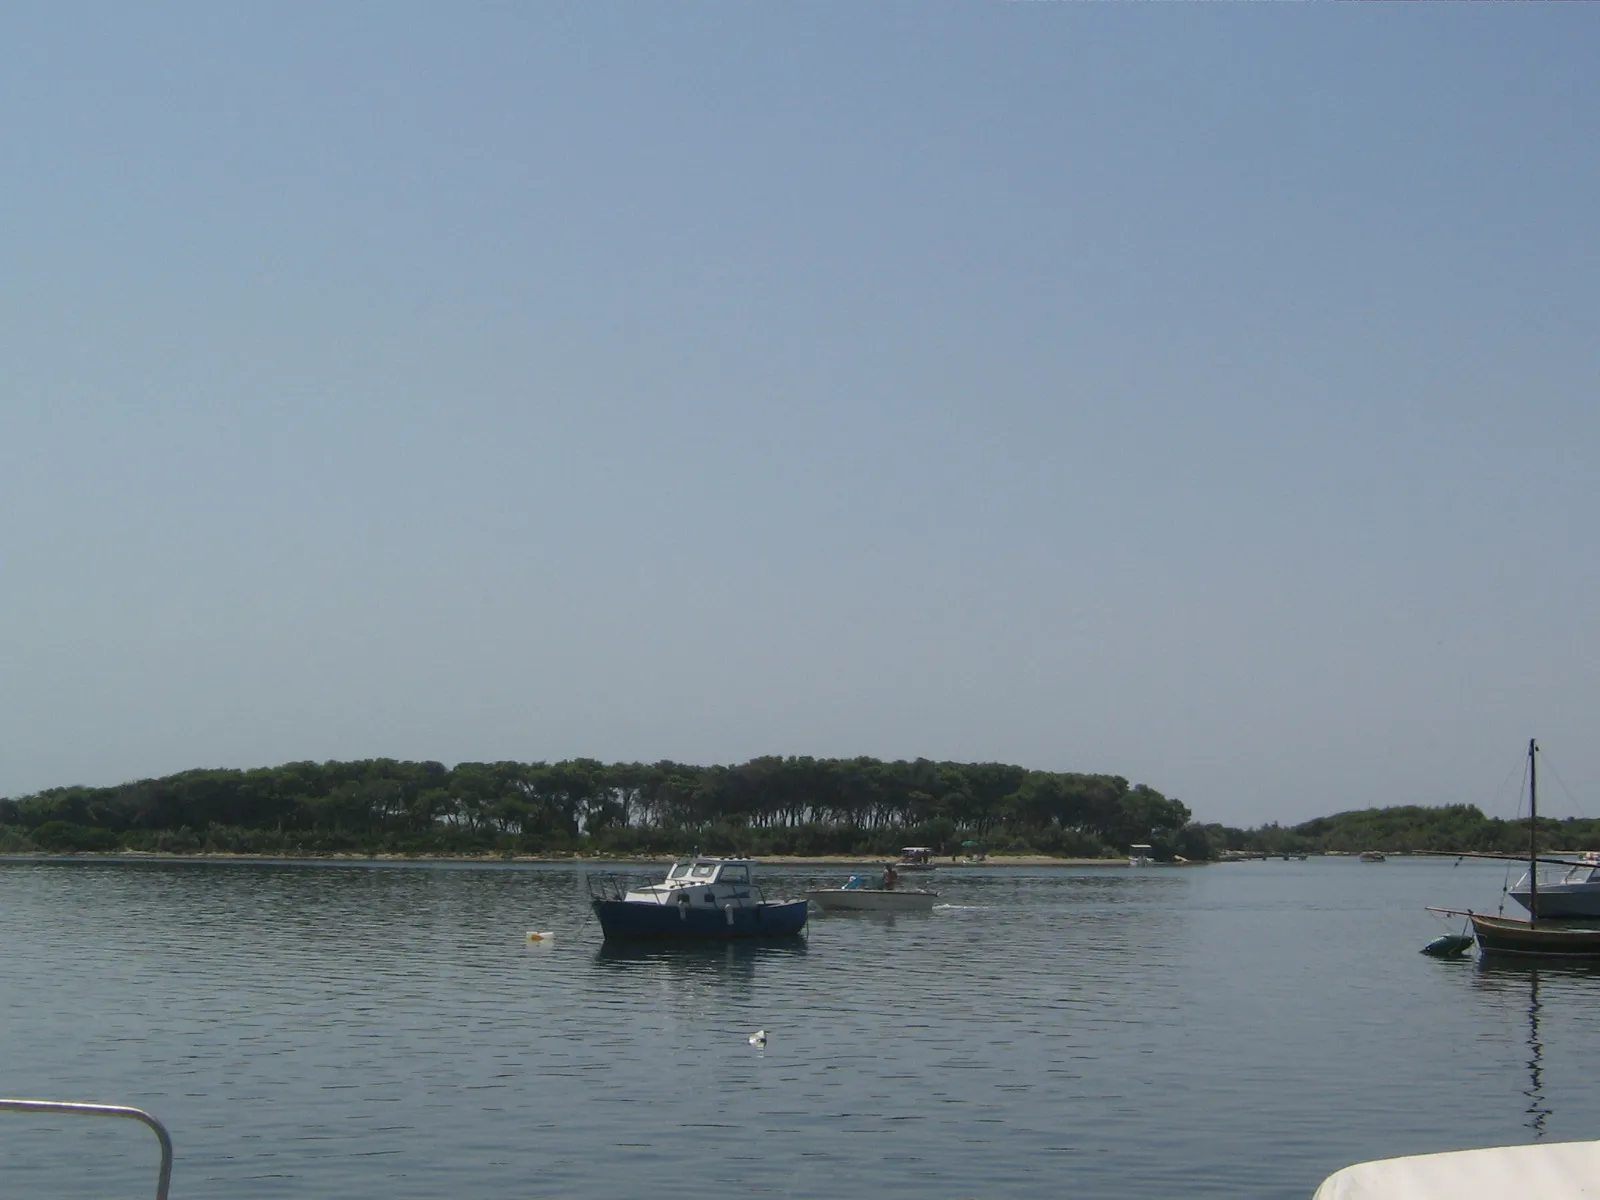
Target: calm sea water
{"points": [[387, 1031]]}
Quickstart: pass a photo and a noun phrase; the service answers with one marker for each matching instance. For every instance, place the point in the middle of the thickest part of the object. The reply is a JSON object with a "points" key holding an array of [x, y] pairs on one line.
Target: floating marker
{"points": [[540, 937], [758, 1038]]}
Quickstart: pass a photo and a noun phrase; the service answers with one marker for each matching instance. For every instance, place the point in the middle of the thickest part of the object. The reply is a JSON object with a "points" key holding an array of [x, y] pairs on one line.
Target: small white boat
{"points": [[1548, 1170], [854, 897], [1140, 855]]}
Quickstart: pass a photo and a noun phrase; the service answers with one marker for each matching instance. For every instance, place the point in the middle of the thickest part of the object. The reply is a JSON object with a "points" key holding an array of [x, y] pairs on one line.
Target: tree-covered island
{"points": [[798, 806], [772, 806]]}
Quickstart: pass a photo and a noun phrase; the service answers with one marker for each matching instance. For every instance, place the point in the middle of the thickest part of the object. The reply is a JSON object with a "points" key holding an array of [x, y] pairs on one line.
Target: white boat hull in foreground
{"points": [[871, 900], [1548, 1170]]}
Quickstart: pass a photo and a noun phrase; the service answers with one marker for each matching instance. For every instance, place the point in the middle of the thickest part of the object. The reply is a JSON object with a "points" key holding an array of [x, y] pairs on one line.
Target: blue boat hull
{"points": [[631, 919]]}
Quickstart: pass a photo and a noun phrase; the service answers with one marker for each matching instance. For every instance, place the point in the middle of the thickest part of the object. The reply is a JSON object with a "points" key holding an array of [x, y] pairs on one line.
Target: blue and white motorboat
{"points": [[700, 898]]}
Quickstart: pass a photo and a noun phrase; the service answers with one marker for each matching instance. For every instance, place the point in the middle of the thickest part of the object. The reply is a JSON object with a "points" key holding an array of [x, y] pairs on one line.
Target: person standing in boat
{"points": [[890, 877]]}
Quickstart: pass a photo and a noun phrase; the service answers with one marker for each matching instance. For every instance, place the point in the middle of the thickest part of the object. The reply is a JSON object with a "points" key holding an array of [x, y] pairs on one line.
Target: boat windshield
{"points": [[706, 870]]}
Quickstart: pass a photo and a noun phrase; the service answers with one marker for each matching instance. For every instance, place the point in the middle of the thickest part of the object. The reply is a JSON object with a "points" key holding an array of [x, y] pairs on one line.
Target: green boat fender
{"points": [[1448, 945]]}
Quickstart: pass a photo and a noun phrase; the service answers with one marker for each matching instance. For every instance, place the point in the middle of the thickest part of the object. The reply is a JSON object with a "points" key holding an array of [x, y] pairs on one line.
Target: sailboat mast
{"points": [[1533, 829]]}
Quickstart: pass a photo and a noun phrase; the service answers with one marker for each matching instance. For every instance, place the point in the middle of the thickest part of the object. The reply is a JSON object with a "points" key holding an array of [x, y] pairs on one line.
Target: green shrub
{"points": [[65, 836]]}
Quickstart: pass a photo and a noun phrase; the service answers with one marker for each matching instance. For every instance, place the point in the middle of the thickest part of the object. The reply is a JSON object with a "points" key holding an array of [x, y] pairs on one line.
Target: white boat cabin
{"points": [[1585, 871], [1140, 855], [702, 881]]}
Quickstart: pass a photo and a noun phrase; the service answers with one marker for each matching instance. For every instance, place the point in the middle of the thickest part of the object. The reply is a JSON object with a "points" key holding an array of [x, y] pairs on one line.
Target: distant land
{"points": [[1453, 828], [790, 806], [794, 806]]}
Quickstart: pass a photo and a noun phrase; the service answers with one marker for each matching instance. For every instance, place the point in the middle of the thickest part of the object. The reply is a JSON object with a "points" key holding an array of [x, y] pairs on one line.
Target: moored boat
{"points": [[1575, 895], [1541, 936], [1546, 939], [700, 898]]}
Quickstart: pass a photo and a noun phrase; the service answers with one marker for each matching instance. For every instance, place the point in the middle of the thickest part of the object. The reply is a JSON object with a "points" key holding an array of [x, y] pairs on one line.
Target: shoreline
{"points": [[776, 860]]}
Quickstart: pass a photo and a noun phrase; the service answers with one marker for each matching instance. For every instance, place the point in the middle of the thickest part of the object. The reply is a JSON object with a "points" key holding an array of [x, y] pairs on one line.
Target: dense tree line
{"points": [[1410, 828], [767, 805]]}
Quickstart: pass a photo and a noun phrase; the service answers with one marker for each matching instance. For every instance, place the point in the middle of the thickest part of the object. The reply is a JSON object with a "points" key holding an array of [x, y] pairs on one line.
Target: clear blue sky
{"points": [[1205, 394]]}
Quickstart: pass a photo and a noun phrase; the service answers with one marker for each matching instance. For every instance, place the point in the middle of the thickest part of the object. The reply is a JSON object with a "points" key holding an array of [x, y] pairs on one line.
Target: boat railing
{"points": [[604, 887], [163, 1181]]}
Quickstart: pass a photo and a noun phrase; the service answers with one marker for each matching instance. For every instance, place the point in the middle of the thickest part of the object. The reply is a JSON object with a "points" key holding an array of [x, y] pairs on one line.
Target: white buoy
{"points": [[758, 1038], [540, 937]]}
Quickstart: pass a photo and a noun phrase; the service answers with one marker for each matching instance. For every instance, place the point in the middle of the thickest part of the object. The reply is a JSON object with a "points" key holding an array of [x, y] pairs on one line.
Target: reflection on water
{"points": [[692, 973], [710, 959], [1520, 980], [886, 920], [1538, 1113], [1503, 970]]}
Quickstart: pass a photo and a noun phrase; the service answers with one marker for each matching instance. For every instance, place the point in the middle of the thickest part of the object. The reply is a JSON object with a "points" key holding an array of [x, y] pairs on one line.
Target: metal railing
{"points": [[105, 1110]]}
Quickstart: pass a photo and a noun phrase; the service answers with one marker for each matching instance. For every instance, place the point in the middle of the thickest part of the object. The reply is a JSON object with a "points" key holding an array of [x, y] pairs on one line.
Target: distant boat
{"points": [[1372, 856], [916, 858], [1140, 855], [700, 898]]}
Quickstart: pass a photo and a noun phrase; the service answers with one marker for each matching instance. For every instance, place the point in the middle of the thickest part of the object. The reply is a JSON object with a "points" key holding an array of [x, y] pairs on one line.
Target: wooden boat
{"points": [[700, 898], [1547, 939]]}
